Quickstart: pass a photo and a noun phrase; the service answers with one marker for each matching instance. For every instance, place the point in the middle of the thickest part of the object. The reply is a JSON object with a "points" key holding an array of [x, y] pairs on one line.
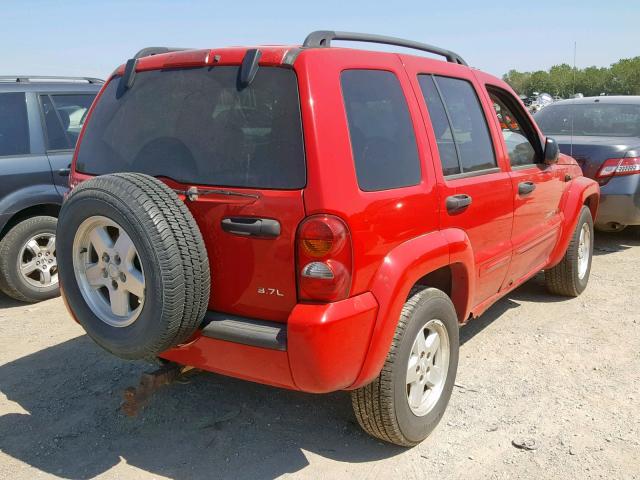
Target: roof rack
{"points": [[323, 38], [148, 51], [45, 78]]}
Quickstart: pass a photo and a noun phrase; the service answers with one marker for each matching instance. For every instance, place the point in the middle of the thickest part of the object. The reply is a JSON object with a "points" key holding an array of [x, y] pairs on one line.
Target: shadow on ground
{"points": [[8, 302], [212, 427], [67, 422], [616, 242]]}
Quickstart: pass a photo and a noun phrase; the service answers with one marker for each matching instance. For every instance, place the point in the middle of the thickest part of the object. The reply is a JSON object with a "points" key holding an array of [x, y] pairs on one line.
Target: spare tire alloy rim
{"points": [[37, 261], [584, 250], [108, 271], [427, 367]]}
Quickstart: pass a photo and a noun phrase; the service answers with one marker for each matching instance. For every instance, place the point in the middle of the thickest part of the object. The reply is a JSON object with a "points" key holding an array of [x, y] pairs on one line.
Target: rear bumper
{"points": [[325, 347], [620, 201]]}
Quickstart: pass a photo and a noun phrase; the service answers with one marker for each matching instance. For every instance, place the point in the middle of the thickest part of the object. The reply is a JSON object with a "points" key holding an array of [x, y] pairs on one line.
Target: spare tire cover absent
{"points": [[133, 264]]}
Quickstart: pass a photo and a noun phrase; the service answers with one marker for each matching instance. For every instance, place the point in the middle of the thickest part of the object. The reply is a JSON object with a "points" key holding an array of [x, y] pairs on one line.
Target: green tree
{"points": [[621, 78]]}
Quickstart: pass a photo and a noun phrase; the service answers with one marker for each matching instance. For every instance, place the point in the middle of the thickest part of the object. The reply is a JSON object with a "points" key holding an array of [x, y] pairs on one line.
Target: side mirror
{"points": [[551, 151]]}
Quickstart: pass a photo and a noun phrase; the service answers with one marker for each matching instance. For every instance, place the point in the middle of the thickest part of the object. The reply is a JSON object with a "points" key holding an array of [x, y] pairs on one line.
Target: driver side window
{"points": [[516, 131]]}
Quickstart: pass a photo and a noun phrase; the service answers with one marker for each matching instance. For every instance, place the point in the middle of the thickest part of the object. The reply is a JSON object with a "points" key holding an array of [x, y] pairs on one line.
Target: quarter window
{"points": [[467, 126], [14, 125], [382, 137]]}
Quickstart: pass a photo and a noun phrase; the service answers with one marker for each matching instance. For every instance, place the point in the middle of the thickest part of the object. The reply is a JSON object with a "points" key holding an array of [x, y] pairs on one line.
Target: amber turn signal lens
{"points": [[317, 247]]}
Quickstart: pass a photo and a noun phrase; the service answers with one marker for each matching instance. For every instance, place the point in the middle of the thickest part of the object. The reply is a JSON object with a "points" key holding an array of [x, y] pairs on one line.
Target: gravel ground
{"points": [[560, 376]]}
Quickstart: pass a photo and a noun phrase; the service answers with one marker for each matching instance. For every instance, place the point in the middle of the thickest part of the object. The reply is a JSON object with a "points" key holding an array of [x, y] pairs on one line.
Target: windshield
{"points": [[593, 119], [197, 126]]}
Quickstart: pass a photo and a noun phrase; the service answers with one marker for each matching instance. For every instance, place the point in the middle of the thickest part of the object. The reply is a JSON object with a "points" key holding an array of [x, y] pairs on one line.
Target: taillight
{"points": [[323, 259], [618, 167]]}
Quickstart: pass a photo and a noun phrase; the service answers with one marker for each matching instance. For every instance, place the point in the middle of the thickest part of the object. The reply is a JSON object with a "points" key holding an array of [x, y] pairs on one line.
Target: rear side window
{"points": [[63, 118], [197, 126], [467, 125], [382, 136], [441, 127], [14, 125]]}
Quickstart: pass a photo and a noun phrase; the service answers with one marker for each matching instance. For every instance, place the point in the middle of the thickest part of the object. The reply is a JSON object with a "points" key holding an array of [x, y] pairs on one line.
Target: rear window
{"points": [[197, 126], [597, 119]]}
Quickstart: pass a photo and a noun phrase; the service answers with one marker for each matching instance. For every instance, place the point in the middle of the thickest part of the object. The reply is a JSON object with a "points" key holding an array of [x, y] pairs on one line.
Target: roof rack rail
{"points": [[323, 38], [148, 51], [44, 78]]}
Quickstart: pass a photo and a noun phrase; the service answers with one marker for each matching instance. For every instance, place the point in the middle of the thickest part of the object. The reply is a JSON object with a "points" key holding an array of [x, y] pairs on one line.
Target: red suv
{"points": [[315, 218]]}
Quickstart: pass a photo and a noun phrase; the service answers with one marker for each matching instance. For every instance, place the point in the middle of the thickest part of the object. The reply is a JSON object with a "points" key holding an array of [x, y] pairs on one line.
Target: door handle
{"points": [[251, 226], [65, 172], [458, 203], [525, 188]]}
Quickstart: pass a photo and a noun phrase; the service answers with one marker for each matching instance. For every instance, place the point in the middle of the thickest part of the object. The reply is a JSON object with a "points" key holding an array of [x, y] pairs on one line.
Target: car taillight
{"points": [[323, 259], [618, 167]]}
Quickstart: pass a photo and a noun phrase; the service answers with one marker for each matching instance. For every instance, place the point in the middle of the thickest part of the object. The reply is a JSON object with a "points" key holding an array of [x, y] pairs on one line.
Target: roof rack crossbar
{"points": [[28, 78], [323, 38], [148, 51]]}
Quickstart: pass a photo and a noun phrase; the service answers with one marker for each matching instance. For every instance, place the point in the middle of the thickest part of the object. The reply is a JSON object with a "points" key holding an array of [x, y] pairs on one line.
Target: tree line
{"points": [[621, 78]]}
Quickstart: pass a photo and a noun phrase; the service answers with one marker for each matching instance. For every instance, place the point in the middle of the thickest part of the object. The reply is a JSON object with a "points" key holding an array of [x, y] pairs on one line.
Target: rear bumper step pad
{"points": [[246, 331]]}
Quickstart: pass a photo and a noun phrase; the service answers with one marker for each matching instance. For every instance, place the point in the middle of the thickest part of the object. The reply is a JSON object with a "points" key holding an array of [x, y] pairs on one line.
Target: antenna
{"points": [[575, 49]]}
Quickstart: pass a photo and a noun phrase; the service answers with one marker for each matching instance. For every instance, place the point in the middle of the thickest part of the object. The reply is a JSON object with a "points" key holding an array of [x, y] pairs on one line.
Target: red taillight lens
{"points": [[617, 167], [323, 259]]}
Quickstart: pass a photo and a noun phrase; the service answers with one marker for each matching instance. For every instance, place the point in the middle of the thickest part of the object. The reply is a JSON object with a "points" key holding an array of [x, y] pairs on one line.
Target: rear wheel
{"points": [[570, 277], [133, 264], [407, 400], [28, 265]]}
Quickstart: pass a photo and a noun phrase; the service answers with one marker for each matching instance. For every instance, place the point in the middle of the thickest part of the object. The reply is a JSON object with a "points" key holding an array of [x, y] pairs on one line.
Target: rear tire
{"points": [[570, 277], [383, 407], [133, 264], [21, 247]]}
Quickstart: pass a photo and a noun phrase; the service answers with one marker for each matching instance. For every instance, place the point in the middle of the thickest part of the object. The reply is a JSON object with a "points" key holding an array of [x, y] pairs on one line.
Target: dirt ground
{"points": [[563, 375]]}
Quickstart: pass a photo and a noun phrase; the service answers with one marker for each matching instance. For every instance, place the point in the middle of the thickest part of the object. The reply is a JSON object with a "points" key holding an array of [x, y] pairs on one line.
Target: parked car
{"points": [[314, 218], [40, 120], [603, 134]]}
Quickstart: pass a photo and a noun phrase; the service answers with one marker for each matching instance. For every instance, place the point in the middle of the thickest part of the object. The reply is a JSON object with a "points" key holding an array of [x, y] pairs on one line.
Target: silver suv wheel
{"points": [[427, 367], [108, 271], [37, 261]]}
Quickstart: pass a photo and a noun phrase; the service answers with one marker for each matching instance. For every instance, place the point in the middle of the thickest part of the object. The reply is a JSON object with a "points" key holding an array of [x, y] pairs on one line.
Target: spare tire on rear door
{"points": [[132, 264]]}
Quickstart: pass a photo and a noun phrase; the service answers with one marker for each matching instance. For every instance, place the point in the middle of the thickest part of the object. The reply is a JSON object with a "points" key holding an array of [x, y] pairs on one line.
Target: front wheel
{"points": [[570, 277], [407, 400]]}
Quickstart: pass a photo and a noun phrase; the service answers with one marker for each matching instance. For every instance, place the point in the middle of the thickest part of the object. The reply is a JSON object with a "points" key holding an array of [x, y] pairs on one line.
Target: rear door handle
{"points": [[251, 226], [458, 203], [65, 172], [524, 188]]}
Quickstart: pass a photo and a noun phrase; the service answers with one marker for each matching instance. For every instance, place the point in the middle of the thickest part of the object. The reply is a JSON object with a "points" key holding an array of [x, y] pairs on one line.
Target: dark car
{"points": [[603, 135], [40, 121]]}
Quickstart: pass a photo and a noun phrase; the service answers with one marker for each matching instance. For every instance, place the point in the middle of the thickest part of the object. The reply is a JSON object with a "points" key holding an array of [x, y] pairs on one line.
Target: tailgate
{"points": [[252, 268]]}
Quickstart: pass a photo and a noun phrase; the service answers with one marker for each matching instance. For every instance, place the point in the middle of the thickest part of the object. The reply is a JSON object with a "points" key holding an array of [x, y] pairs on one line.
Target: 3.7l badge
{"points": [[270, 291]]}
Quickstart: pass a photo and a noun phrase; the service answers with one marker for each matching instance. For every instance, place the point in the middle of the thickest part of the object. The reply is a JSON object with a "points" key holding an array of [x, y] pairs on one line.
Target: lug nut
{"points": [[123, 277], [105, 274], [117, 259], [114, 284], [105, 257]]}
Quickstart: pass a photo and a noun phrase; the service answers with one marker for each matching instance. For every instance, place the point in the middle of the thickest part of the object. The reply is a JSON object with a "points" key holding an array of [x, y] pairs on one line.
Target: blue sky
{"points": [[92, 37]]}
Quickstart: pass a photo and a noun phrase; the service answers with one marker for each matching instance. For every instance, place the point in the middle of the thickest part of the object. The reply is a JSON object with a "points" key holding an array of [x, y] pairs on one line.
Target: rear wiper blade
{"points": [[192, 193]]}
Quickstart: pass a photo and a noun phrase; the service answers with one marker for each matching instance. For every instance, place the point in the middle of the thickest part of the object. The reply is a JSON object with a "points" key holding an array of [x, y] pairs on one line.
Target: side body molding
{"points": [[399, 272]]}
